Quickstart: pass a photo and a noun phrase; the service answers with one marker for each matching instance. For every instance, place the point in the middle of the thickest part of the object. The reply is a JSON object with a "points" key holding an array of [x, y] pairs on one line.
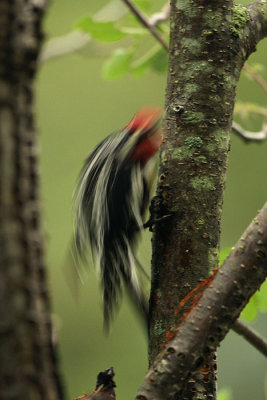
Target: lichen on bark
{"points": [[208, 47]]}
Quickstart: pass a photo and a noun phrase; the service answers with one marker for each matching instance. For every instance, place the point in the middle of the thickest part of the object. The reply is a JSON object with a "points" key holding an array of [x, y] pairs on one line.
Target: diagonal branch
{"points": [[248, 136], [161, 16], [209, 321], [254, 75], [145, 22], [251, 336]]}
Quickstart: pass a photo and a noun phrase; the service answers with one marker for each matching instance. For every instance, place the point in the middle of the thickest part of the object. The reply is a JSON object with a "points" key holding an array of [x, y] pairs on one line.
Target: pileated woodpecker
{"points": [[112, 196]]}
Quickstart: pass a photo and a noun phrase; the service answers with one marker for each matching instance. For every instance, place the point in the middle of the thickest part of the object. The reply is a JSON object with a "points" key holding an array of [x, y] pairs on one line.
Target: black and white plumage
{"points": [[111, 199], [104, 387]]}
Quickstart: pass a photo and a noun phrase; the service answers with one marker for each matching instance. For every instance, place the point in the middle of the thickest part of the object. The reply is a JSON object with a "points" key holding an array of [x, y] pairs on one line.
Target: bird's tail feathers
{"points": [[118, 268]]}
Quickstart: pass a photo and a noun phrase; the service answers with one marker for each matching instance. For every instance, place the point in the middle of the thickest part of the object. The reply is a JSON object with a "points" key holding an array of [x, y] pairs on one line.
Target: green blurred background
{"points": [[76, 108]]}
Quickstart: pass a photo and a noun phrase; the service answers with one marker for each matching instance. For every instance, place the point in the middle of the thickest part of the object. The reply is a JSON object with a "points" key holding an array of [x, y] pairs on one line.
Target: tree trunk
{"points": [[28, 365], [209, 43], [227, 292]]}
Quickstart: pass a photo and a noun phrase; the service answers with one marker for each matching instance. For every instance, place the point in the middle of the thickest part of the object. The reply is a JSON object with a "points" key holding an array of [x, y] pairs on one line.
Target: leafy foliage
{"points": [[118, 64], [257, 303], [224, 254], [103, 31], [135, 57], [144, 5], [134, 54]]}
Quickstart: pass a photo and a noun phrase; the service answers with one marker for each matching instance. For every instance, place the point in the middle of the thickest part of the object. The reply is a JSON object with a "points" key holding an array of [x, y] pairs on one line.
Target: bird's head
{"points": [[145, 131]]}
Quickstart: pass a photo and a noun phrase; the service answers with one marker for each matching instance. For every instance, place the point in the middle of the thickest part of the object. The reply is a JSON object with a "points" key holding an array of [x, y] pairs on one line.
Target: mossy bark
{"points": [[209, 43]]}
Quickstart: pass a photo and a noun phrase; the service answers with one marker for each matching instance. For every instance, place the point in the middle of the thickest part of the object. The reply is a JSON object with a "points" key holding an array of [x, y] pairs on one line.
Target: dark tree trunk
{"points": [[28, 366]]}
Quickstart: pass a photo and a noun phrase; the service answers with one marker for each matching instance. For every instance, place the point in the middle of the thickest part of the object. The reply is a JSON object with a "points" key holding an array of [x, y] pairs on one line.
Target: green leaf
{"points": [[257, 303], [262, 297], [225, 394], [111, 11], [159, 62], [251, 310], [136, 32], [258, 67], [154, 59], [144, 5], [139, 70], [103, 31], [142, 64], [224, 253], [118, 64]]}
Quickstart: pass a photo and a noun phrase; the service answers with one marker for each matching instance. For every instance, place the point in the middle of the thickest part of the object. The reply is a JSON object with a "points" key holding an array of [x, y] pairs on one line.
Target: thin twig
{"points": [[161, 16], [254, 75], [250, 136], [251, 336], [145, 22]]}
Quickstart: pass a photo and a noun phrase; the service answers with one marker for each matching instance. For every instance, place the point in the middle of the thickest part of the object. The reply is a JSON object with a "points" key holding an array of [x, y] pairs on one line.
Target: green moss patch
{"points": [[240, 16], [202, 183]]}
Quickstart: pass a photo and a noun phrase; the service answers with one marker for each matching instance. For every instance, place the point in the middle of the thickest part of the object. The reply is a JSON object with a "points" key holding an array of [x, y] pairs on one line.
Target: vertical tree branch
{"points": [[193, 158], [27, 356], [204, 68]]}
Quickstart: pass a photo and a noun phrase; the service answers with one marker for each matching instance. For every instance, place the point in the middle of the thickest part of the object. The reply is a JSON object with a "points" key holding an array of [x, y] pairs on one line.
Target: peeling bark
{"points": [[28, 365]]}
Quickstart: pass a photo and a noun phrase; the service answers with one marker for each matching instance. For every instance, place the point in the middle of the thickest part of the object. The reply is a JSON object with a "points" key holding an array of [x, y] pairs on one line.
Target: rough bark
{"points": [[209, 321], [209, 43], [28, 367]]}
